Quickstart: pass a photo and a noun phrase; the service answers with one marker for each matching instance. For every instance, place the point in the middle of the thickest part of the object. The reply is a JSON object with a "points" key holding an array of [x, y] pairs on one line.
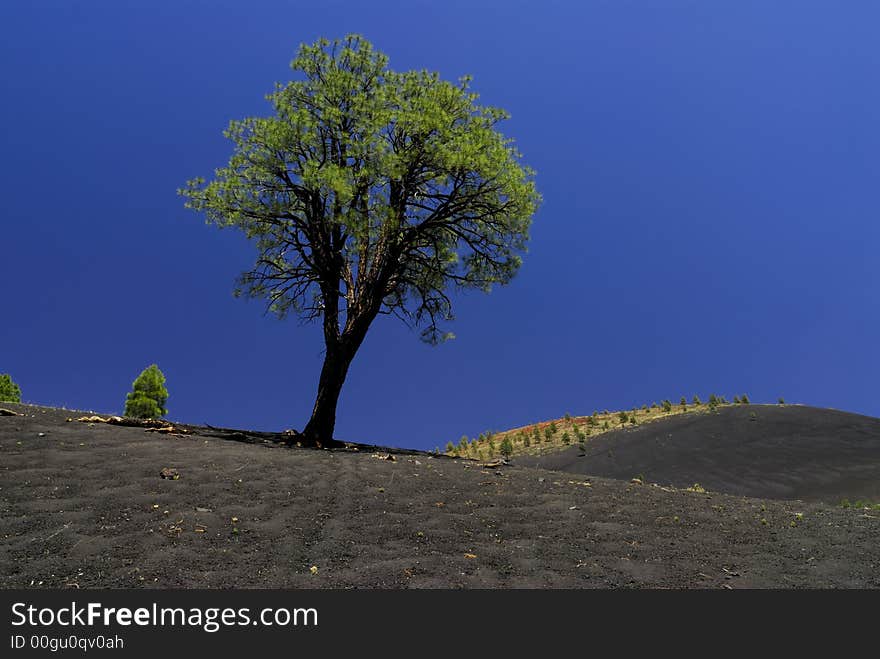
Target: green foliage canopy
{"points": [[371, 191]]}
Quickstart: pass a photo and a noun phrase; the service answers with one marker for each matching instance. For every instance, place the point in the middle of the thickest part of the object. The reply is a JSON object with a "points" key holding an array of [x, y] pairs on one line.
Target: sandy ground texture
{"points": [[769, 451], [84, 506]]}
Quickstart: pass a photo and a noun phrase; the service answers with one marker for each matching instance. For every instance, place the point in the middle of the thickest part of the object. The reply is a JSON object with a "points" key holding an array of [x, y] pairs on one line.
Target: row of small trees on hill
{"points": [[570, 430]]}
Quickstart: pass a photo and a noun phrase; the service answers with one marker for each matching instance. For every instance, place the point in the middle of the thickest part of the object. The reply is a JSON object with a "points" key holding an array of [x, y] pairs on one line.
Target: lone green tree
{"points": [[9, 391], [369, 191], [148, 395]]}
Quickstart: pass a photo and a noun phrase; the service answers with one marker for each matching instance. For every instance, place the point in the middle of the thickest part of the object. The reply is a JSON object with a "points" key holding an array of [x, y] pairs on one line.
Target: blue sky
{"points": [[710, 181]]}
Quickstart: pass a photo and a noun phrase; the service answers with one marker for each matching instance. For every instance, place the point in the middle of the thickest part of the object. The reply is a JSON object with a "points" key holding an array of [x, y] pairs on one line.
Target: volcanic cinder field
{"points": [[84, 505]]}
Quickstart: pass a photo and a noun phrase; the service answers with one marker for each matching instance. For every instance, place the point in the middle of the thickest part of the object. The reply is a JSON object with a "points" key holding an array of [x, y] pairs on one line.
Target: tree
{"points": [[148, 395], [368, 192], [696, 400], [506, 447], [9, 391]]}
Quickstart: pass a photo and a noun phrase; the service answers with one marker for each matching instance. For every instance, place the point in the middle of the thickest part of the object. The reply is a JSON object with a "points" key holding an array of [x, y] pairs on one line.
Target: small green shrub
{"points": [[9, 391], [744, 399], [860, 504], [667, 406], [506, 447], [696, 400], [148, 395]]}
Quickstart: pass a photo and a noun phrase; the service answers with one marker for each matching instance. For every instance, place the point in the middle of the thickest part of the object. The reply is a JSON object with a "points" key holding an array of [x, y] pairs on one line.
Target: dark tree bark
{"points": [[340, 349], [319, 429]]}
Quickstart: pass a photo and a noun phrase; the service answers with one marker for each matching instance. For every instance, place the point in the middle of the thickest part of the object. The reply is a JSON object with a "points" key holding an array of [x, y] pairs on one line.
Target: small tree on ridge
{"points": [[9, 391], [148, 395]]}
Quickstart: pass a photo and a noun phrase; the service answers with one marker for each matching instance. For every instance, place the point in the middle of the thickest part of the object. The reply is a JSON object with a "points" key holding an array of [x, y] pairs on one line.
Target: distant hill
{"points": [[766, 451]]}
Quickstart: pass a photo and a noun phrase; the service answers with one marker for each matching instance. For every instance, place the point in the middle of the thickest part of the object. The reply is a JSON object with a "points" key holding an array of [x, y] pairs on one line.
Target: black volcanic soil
{"points": [[767, 451], [84, 506]]}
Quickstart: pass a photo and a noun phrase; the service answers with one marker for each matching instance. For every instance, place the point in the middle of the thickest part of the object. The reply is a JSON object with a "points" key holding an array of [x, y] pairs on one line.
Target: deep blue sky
{"points": [[710, 181]]}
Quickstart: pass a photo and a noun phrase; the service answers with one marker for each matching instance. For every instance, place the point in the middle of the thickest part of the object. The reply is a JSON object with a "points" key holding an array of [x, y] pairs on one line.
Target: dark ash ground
{"points": [[84, 506]]}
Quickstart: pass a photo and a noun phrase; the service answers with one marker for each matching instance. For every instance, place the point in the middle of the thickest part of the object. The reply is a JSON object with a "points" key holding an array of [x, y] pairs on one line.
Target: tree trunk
{"points": [[319, 429], [340, 350]]}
